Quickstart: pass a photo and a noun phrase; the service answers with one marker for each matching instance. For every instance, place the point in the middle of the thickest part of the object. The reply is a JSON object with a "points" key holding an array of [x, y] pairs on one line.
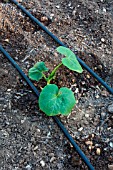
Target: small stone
{"points": [[42, 163], [89, 143], [86, 115], [105, 149], [83, 82], [80, 129], [98, 151], [102, 40], [55, 54], [109, 128], [8, 90], [90, 147], [88, 76], [52, 15], [44, 18], [51, 154], [110, 167], [6, 40], [93, 135], [74, 12], [52, 159], [110, 108], [97, 96], [104, 9], [104, 93], [23, 120], [35, 148], [76, 90], [103, 114], [111, 144], [38, 130], [69, 4], [100, 66], [57, 6], [28, 167]]}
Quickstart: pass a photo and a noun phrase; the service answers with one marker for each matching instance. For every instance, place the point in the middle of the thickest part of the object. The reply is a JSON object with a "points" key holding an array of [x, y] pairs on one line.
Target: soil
{"points": [[29, 140]]}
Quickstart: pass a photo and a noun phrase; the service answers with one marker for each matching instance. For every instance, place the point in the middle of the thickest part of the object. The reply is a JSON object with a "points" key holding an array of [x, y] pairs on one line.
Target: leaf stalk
{"points": [[52, 74]]}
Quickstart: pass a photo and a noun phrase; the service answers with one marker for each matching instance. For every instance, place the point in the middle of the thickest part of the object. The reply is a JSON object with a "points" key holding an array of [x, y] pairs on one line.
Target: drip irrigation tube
{"points": [[62, 127], [62, 44]]}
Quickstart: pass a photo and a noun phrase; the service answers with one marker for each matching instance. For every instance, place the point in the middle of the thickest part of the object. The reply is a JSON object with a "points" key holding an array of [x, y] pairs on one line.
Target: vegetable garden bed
{"points": [[88, 122]]}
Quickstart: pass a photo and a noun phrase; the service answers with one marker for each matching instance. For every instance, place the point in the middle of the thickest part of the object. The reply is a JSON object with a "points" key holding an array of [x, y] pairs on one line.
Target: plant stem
{"points": [[44, 76], [52, 75]]}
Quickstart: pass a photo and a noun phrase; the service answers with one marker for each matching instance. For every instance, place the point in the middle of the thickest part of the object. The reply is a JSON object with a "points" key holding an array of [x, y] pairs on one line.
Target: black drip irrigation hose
{"points": [[61, 126], [62, 44]]}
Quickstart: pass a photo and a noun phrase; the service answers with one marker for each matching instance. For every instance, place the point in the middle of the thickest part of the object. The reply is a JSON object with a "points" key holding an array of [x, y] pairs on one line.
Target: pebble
{"points": [[97, 96], [42, 163], [98, 151], [104, 9], [55, 54], [92, 135], [52, 159], [28, 167], [86, 115], [102, 40], [110, 108], [69, 4], [44, 18], [103, 114], [74, 12], [35, 148], [89, 143], [83, 83], [111, 144], [80, 129], [23, 120], [52, 15], [110, 167], [6, 40], [104, 93], [8, 90], [88, 76], [76, 90], [90, 147], [57, 6]]}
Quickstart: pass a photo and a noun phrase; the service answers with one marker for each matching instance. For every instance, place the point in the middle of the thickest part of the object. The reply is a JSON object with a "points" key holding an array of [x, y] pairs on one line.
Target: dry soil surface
{"points": [[28, 139]]}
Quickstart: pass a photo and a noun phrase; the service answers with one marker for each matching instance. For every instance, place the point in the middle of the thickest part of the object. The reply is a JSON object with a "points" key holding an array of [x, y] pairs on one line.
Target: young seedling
{"points": [[52, 100]]}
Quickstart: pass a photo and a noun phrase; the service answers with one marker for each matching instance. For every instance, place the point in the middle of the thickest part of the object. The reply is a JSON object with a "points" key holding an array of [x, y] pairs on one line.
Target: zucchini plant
{"points": [[52, 100]]}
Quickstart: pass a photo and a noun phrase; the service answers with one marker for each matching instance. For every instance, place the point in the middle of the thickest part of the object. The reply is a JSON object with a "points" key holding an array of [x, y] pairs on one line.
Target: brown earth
{"points": [[28, 139]]}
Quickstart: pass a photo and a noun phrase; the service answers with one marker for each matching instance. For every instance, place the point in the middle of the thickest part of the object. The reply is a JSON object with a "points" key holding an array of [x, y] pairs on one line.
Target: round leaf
{"points": [[36, 72], [41, 66], [54, 101], [70, 61]]}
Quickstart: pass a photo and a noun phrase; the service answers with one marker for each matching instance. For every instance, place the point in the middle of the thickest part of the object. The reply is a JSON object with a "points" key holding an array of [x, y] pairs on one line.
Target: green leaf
{"points": [[70, 61], [36, 72], [41, 66], [54, 101]]}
